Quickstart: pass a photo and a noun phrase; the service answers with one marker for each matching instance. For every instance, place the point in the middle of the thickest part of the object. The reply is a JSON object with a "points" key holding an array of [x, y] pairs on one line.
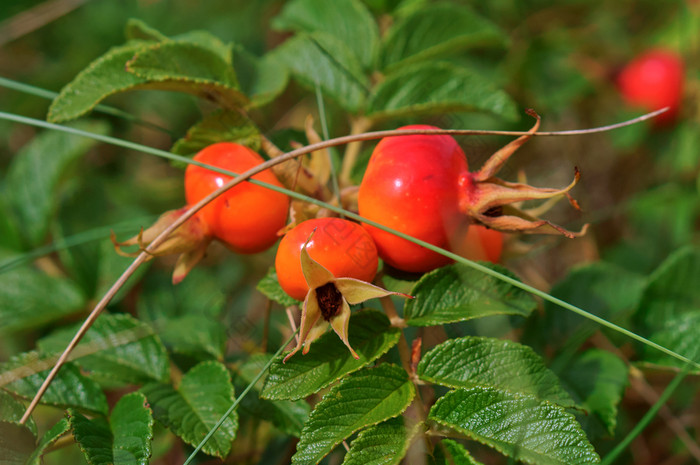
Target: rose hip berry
{"points": [[420, 185], [410, 185], [342, 247], [246, 217], [654, 80]]}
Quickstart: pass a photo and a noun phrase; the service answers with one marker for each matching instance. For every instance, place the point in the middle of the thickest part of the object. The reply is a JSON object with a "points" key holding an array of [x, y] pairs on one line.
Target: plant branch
{"points": [[289, 156]]}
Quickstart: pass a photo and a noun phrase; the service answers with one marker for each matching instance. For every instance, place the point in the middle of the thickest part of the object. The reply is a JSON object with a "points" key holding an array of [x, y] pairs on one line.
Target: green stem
{"points": [[647, 418], [239, 399], [107, 110], [68, 242]]}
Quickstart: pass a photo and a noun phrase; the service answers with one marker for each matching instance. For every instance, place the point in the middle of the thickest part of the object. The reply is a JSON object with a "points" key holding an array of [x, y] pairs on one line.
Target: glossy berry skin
{"points": [[344, 248], [652, 81], [246, 217], [480, 243], [411, 185]]}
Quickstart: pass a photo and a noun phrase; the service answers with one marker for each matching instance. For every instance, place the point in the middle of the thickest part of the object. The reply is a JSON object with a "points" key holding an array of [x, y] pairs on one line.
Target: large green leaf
{"points": [[365, 398], [24, 374], [672, 289], [219, 126], [320, 59], [12, 410], [47, 440], [270, 286], [125, 439], [136, 29], [435, 88], [680, 334], [435, 31], [383, 444], [595, 288], [205, 393], [518, 426], [174, 65], [348, 20], [288, 416], [488, 362], [117, 347], [103, 77], [16, 443], [597, 380], [33, 177], [450, 452], [202, 71], [371, 335], [31, 299], [457, 293]]}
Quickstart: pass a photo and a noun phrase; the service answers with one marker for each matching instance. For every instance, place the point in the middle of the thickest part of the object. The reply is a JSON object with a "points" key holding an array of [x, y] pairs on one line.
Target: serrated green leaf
{"points": [[518, 426], [205, 39], [47, 440], [24, 374], [103, 77], [365, 398], [126, 438], [371, 335], [270, 287], [12, 410], [672, 289], [595, 287], [31, 299], [322, 59], [16, 443], [438, 30], [188, 67], [457, 293], [33, 177], [138, 30], [383, 444], [219, 126], [117, 347], [597, 379], [205, 393], [174, 66], [348, 20], [435, 88], [450, 452], [680, 334], [488, 362], [288, 416], [195, 335]]}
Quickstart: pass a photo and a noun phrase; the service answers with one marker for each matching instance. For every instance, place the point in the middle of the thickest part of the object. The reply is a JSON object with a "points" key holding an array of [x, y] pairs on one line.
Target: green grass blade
{"points": [[107, 110]]}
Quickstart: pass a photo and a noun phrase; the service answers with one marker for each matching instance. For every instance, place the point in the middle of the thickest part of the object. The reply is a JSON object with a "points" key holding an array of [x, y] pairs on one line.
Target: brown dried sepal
{"points": [[190, 241], [496, 203]]}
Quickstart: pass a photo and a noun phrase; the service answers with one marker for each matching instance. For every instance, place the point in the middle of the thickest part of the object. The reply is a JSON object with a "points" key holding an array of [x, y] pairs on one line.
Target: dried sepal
{"points": [[496, 203], [328, 303], [190, 240]]}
